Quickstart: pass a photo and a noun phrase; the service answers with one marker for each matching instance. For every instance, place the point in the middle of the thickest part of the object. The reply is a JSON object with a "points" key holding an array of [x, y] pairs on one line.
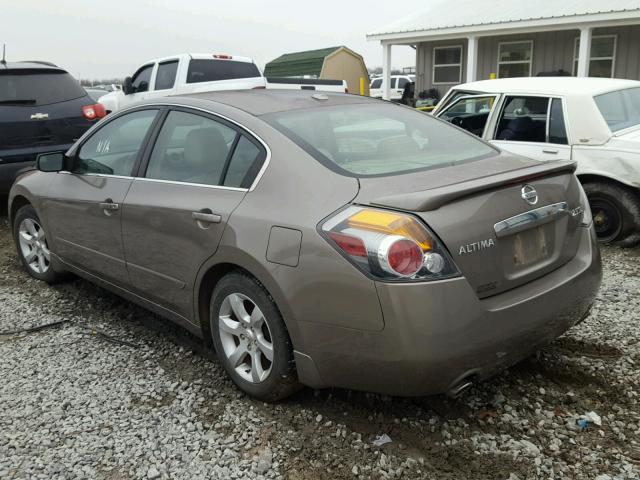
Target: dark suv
{"points": [[42, 109]]}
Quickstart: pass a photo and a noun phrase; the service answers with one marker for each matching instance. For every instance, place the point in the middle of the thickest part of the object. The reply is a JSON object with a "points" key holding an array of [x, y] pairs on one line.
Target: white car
{"points": [[398, 82], [592, 121]]}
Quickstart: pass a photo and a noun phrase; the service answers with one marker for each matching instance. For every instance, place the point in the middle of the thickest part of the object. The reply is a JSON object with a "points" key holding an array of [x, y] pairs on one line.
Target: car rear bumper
{"points": [[14, 161], [438, 335]]}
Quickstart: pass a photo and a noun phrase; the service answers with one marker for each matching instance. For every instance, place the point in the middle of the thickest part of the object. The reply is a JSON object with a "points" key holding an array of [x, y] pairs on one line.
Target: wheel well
{"points": [[207, 285], [589, 178], [17, 204]]}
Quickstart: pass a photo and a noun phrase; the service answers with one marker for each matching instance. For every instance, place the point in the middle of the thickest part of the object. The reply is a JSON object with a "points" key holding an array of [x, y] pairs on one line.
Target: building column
{"points": [[386, 71], [584, 53], [472, 58]]}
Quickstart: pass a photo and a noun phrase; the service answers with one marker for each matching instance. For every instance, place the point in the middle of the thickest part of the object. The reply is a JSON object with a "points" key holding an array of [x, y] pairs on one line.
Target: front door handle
{"points": [[206, 216], [551, 151]]}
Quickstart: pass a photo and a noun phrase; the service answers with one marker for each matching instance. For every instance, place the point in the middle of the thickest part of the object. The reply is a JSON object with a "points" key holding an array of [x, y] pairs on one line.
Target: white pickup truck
{"points": [[195, 73]]}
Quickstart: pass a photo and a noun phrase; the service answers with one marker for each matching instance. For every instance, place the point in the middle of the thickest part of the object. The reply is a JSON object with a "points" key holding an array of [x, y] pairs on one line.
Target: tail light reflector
{"points": [[93, 112]]}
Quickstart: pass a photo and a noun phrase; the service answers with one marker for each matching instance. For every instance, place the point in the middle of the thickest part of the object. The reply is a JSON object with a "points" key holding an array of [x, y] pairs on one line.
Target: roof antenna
{"points": [[4, 52]]}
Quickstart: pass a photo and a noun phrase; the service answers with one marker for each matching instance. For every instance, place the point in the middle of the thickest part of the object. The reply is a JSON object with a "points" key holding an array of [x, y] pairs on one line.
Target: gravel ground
{"points": [[118, 393]]}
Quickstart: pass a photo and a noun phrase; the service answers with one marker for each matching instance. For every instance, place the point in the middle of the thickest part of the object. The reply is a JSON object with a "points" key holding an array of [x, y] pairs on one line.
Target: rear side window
{"points": [[204, 70], [523, 119], [166, 76], [377, 83], [114, 148], [367, 140], [37, 87]]}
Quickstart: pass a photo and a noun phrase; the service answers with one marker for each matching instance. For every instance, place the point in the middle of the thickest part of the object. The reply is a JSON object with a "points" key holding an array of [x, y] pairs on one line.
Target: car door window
{"points": [[141, 79], [377, 83], [191, 148], [393, 82], [470, 113], [114, 148], [166, 76], [523, 119], [402, 82], [557, 128]]}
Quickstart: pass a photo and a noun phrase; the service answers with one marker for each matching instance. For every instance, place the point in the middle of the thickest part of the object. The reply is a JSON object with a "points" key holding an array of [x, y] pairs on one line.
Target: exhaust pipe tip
{"points": [[457, 391]]}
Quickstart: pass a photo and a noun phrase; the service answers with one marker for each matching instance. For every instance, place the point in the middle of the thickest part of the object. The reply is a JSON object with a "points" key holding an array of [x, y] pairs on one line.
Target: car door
{"points": [[199, 170], [533, 126], [401, 83], [472, 113], [84, 205]]}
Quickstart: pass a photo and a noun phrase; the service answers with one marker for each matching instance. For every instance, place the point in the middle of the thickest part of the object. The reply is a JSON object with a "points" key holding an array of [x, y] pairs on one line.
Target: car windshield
{"points": [[33, 87], [379, 139], [620, 109]]}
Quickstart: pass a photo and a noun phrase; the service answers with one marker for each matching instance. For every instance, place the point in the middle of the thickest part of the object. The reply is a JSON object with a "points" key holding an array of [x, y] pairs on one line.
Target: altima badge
{"points": [[39, 116], [476, 246], [529, 194]]}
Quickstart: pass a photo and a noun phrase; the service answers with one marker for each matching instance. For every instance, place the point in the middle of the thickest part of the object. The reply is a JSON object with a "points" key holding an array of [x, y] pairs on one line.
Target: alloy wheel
{"points": [[34, 246], [245, 337]]}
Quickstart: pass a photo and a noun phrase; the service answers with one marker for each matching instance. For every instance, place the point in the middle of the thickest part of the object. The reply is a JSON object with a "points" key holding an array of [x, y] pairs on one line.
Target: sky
{"points": [[111, 38]]}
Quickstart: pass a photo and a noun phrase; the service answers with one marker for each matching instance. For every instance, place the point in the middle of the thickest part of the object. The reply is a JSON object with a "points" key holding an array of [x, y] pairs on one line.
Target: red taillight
{"points": [[93, 112], [223, 57], [350, 245], [401, 255]]}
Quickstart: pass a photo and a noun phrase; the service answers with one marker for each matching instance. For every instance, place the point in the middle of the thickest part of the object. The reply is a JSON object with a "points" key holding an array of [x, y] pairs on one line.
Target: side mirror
{"points": [[50, 162], [127, 86]]}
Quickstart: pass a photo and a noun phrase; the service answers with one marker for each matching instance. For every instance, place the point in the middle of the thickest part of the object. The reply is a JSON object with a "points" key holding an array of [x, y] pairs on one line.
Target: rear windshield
{"points": [[367, 140], [620, 109], [32, 87], [204, 70]]}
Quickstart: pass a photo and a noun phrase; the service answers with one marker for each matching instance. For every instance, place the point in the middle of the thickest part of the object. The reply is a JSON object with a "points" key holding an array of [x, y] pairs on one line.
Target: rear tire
{"points": [[33, 247], [616, 213], [251, 339]]}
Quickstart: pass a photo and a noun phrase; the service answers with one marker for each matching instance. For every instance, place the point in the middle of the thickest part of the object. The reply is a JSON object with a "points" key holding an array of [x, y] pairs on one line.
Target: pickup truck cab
{"points": [[185, 73], [592, 121]]}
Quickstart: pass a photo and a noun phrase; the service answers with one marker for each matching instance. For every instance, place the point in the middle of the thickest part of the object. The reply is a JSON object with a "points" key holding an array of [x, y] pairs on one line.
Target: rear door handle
{"points": [[206, 217], [108, 207]]}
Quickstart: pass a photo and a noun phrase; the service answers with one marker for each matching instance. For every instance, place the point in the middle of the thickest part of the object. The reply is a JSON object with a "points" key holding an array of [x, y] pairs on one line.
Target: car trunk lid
{"points": [[497, 238]]}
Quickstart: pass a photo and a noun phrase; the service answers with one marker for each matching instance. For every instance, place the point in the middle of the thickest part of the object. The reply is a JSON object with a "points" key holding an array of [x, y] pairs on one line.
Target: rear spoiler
{"points": [[426, 200]]}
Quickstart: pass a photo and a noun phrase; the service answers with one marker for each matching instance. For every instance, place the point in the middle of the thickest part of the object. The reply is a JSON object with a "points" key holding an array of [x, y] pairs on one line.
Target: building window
{"points": [[447, 65], [602, 59], [514, 59]]}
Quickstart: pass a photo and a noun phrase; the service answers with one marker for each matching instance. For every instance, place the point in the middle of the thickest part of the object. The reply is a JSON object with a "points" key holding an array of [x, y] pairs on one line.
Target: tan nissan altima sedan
{"points": [[318, 239]]}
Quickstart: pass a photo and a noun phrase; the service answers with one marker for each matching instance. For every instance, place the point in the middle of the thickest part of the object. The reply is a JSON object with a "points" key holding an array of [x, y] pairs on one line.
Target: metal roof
{"points": [[298, 63], [568, 86], [448, 14]]}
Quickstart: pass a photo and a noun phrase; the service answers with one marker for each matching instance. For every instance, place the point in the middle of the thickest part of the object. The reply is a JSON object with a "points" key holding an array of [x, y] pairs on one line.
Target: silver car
{"points": [[318, 239]]}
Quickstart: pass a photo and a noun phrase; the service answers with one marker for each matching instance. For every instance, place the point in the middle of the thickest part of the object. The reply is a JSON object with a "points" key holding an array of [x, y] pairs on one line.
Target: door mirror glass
{"points": [[50, 162], [127, 87]]}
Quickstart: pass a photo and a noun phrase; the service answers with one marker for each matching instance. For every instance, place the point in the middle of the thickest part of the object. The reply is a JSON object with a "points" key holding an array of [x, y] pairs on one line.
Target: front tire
{"points": [[251, 339], [33, 246], [616, 213]]}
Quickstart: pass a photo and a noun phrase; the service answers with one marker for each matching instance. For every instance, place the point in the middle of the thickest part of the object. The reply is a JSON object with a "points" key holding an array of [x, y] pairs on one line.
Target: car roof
{"points": [[30, 65], [263, 101], [567, 86]]}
